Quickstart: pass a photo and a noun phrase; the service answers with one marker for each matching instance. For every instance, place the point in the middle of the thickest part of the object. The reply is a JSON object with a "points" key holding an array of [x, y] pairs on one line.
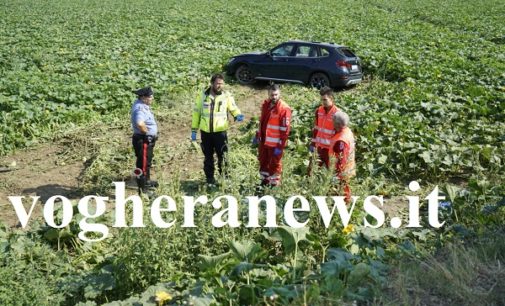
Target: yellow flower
{"points": [[162, 297], [348, 229]]}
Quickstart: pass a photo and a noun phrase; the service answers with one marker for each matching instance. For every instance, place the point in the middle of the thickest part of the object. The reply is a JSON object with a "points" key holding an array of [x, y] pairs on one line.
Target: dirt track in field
{"points": [[44, 170]]}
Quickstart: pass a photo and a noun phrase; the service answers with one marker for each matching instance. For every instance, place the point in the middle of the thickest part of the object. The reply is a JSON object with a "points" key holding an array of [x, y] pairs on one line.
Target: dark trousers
{"points": [[216, 142], [143, 146]]}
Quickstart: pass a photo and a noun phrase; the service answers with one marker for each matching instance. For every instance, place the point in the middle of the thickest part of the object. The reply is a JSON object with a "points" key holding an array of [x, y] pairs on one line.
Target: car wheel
{"points": [[244, 75], [319, 80]]}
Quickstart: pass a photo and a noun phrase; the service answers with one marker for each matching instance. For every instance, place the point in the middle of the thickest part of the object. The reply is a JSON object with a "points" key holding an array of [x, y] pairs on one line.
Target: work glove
{"points": [[254, 140], [193, 135], [277, 151], [239, 118], [311, 149]]}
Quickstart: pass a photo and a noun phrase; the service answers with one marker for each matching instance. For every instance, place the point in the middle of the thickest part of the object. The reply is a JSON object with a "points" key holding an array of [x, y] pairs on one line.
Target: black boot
{"points": [[152, 184], [260, 190], [211, 181], [149, 183], [141, 183]]}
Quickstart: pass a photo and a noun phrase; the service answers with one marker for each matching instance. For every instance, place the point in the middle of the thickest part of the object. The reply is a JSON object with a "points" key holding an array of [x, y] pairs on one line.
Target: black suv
{"points": [[313, 63]]}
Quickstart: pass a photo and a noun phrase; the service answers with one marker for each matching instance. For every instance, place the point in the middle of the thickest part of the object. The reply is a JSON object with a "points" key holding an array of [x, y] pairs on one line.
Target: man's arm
{"points": [[342, 154], [285, 128], [314, 131], [139, 118], [142, 127], [232, 106], [261, 123], [197, 111]]}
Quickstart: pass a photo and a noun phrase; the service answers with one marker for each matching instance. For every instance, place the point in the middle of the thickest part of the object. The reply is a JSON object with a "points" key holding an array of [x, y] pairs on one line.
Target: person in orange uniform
{"points": [[323, 126], [272, 136], [342, 149]]}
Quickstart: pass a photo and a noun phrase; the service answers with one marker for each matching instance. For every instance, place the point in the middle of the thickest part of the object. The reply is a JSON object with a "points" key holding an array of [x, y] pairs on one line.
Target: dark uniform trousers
{"points": [[216, 142], [143, 146]]}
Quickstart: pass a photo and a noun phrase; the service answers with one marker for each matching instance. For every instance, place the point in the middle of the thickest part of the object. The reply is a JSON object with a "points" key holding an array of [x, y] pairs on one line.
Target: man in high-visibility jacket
{"points": [[323, 126], [342, 149], [210, 116], [272, 136]]}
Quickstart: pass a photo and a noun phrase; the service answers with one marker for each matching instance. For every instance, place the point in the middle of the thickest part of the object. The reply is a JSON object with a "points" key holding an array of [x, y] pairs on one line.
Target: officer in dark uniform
{"points": [[145, 133]]}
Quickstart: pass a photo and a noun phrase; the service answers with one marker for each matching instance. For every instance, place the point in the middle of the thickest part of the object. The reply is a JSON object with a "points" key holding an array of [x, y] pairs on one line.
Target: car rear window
{"points": [[346, 52]]}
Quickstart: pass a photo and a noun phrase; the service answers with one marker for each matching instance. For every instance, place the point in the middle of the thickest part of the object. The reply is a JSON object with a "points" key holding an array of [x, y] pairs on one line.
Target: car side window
{"points": [[284, 50], [306, 51], [324, 52]]}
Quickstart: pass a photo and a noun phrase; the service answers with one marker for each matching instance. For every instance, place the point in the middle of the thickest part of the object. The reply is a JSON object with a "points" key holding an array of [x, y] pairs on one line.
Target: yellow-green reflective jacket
{"points": [[212, 115]]}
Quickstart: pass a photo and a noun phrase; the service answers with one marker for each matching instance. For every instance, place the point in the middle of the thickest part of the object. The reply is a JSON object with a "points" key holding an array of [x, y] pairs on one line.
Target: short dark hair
{"points": [[326, 91], [216, 76], [274, 87]]}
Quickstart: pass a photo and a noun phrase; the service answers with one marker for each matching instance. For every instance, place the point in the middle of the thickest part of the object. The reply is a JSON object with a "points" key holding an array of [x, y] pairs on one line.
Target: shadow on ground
{"points": [[47, 191]]}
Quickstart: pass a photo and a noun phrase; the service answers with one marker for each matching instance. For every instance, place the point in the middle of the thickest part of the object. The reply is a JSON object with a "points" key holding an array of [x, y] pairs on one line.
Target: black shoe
{"points": [[152, 184], [260, 190], [141, 184]]}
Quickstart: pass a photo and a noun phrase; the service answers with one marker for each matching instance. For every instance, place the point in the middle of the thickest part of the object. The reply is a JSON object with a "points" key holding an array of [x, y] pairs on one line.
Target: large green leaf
{"points": [[291, 237], [245, 250]]}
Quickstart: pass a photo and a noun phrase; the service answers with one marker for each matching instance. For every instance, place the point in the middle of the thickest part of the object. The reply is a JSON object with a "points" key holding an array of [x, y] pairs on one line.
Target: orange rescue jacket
{"points": [[323, 129], [349, 166], [275, 124]]}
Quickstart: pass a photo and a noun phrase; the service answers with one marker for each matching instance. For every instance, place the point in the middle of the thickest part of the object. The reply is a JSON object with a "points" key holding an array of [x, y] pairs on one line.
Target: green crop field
{"points": [[431, 108]]}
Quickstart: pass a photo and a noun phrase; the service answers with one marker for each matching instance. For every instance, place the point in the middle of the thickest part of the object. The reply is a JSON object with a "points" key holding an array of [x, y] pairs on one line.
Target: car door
{"points": [[276, 62], [305, 59]]}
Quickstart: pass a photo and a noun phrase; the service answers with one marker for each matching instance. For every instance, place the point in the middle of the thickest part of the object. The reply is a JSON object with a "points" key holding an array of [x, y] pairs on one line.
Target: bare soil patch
{"points": [[47, 170]]}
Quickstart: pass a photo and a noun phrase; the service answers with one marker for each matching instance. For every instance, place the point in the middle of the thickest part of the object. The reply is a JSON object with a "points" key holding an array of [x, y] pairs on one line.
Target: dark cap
{"points": [[144, 92]]}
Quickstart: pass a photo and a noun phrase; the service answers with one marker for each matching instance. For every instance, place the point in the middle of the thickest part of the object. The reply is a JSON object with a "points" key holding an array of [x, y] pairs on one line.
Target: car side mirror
{"points": [[269, 53]]}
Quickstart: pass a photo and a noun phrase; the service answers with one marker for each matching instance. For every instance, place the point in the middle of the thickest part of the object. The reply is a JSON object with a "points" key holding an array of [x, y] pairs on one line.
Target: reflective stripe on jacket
{"points": [[211, 115], [349, 168], [276, 130], [323, 129]]}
